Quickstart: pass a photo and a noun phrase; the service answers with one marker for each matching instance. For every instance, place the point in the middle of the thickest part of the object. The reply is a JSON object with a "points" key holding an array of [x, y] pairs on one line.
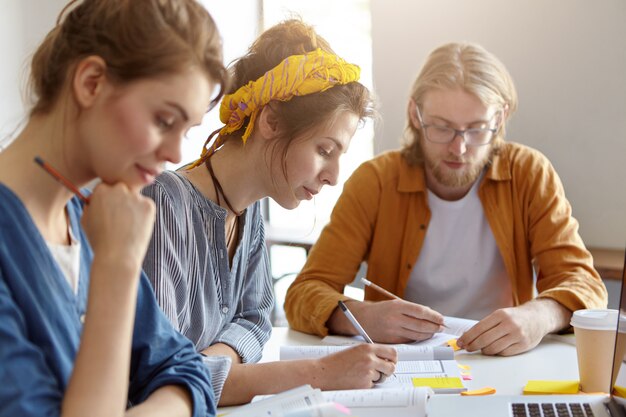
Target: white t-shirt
{"points": [[68, 259], [460, 271]]}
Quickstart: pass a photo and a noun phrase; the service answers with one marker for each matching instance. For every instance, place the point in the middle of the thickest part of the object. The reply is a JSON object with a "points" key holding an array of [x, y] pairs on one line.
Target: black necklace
{"points": [[219, 190]]}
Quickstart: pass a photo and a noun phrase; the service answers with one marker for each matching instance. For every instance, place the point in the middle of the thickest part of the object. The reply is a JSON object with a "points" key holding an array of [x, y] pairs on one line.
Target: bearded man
{"points": [[459, 222]]}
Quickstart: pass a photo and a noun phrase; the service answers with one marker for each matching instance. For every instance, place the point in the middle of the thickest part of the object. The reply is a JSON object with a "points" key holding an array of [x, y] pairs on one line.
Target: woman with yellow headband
{"points": [[292, 111]]}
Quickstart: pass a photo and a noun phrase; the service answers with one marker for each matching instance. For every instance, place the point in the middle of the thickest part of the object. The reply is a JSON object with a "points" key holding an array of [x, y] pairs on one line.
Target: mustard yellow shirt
{"points": [[382, 217]]}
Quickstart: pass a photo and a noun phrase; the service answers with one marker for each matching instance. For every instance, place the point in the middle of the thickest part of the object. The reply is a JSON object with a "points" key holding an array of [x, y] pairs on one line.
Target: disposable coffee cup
{"points": [[595, 341]]}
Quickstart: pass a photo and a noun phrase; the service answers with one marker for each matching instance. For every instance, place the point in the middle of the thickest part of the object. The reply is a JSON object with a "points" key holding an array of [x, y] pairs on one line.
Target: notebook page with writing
{"points": [[414, 362]]}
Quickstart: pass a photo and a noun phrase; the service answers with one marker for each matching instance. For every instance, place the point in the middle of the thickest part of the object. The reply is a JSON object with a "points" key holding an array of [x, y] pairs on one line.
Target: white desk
{"points": [[554, 358]]}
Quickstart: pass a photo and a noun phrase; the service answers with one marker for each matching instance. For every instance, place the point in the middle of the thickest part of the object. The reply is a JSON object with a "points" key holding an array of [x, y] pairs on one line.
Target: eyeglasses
{"points": [[476, 136]]}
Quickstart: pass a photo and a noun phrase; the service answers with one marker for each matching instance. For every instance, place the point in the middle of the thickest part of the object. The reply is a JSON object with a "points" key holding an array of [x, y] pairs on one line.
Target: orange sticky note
{"points": [[619, 391], [539, 387], [453, 345], [480, 391]]}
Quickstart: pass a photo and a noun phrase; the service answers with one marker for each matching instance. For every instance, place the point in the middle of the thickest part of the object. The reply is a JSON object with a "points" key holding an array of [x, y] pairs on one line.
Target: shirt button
{"points": [[82, 318], [224, 309]]}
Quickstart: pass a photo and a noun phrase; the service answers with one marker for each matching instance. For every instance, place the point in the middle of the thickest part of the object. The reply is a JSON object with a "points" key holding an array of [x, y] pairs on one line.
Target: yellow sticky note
{"points": [[465, 367], [453, 345], [551, 387], [438, 382], [480, 391]]}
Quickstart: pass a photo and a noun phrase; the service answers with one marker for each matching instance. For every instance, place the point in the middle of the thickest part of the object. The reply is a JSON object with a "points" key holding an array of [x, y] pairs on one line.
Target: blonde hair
{"points": [[467, 66], [136, 38]]}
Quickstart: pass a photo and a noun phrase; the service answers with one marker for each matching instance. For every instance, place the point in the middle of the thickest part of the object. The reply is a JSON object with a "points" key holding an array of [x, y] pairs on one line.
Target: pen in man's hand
{"points": [[354, 322], [379, 289], [387, 293]]}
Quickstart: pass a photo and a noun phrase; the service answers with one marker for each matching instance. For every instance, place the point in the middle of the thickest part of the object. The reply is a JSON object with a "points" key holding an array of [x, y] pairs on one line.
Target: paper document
{"points": [[278, 405], [456, 328], [405, 352], [399, 401]]}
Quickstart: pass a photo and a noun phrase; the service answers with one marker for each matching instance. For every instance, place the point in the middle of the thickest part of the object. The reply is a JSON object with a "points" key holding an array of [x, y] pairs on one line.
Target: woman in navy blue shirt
{"points": [[116, 85]]}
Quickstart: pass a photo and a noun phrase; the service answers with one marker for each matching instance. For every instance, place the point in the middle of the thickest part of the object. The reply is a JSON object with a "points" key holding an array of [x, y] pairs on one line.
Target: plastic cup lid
{"points": [[595, 319]]}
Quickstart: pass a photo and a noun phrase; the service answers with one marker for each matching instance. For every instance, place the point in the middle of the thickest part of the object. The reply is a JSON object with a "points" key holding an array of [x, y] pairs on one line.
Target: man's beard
{"points": [[447, 177]]}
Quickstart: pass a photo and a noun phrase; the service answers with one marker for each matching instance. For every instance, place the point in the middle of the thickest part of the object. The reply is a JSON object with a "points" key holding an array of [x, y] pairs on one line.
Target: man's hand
{"points": [[395, 321], [514, 330]]}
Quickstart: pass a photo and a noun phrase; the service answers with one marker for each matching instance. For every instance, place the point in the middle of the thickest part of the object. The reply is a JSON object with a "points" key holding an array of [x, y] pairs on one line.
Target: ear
{"points": [[89, 80], [267, 122], [412, 109], [505, 112]]}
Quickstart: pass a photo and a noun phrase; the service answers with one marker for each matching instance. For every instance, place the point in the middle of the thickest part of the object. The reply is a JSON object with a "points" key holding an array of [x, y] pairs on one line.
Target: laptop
{"points": [[544, 405]]}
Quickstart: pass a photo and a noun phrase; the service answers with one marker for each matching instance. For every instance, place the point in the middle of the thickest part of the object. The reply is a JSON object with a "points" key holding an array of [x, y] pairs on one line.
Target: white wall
{"points": [[11, 51], [21, 30], [568, 58]]}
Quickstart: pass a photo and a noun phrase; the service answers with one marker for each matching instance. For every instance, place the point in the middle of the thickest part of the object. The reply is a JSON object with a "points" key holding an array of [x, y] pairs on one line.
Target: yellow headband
{"points": [[297, 75]]}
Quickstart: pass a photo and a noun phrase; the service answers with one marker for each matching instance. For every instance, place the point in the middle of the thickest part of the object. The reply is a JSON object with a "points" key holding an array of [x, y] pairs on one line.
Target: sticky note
{"points": [[539, 387], [464, 367], [619, 391], [466, 377], [438, 382], [480, 391], [453, 345]]}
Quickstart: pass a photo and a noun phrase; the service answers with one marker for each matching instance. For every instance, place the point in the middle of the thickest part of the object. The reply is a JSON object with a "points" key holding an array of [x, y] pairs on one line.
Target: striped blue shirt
{"points": [[187, 262]]}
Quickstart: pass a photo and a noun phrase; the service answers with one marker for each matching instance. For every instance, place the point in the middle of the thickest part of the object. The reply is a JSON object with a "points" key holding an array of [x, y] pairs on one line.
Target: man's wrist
{"points": [[558, 315], [339, 324]]}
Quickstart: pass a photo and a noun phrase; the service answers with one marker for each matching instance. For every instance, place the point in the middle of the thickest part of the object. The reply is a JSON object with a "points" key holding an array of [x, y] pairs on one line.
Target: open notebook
{"points": [[431, 366], [546, 405]]}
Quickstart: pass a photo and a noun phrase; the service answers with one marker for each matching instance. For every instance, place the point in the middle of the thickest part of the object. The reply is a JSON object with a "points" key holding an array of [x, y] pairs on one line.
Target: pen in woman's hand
{"points": [[381, 290], [363, 333], [354, 322], [60, 178]]}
